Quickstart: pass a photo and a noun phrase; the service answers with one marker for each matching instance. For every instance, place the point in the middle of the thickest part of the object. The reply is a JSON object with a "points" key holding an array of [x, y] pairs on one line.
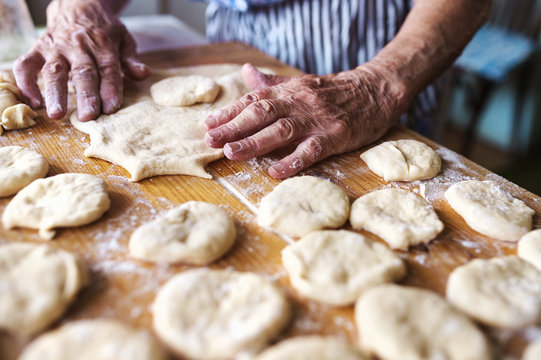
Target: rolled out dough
{"points": [[19, 166], [184, 90], [529, 248]]}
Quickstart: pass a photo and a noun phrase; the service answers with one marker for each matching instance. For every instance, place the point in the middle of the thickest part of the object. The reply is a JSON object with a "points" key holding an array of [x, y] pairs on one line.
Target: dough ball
{"points": [[489, 210], [396, 322], [195, 232], [19, 166], [218, 314], [529, 248], [311, 348], [502, 292], [37, 284], [532, 352], [303, 204], [59, 201], [336, 267], [97, 339], [399, 217], [9, 94], [18, 116], [403, 160], [184, 90]]}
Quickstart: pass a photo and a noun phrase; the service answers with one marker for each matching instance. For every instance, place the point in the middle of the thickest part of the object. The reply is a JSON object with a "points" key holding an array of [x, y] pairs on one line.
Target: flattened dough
{"points": [[529, 248], [399, 217], [336, 267], [195, 232], [489, 210], [303, 204], [218, 314], [37, 284], [403, 160], [63, 200], [404, 323], [502, 292], [18, 116], [19, 166], [184, 90], [98, 339]]}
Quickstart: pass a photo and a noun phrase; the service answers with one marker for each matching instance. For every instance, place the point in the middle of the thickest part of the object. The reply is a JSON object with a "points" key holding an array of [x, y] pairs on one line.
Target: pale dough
{"points": [[398, 216], [403, 323], [336, 267], [19, 166], [59, 201], [9, 94], [98, 339], [18, 116], [218, 314], [37, 283], [532, 352], [529, 248], [195, 232], [303, 204], [502, 292], [311, 348], [489, 210], [184, 90], [403, 160]]}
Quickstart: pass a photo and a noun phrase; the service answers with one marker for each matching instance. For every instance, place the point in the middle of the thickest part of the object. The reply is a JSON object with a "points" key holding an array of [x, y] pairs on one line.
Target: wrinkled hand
{"points": [[325, 115], [87, 38]]}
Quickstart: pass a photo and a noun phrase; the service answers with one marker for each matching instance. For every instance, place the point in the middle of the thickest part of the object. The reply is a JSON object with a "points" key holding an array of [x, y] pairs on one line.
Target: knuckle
{"points": [[251, 145], [285, 128], [84, 71], [232, 128], [313, 148], [263, 108], [55, 67]]}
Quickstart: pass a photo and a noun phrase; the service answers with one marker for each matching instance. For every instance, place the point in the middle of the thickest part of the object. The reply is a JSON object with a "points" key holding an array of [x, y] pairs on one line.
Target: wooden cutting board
{"points": [[123, 288]]}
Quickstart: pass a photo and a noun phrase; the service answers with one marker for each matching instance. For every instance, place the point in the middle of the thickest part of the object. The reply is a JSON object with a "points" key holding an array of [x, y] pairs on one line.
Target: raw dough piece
{"points": [[37, 284], [98, 339], [529, 248], [489, 210], [399, 217], [336, 267], [311, 348], [8, 95], [403, 160], [218, 314], [532, 352], [401, 323], [303, 204], [195, 232], [19, 166], [184, 90], [59, 201], [503, 292], [18, 116]]}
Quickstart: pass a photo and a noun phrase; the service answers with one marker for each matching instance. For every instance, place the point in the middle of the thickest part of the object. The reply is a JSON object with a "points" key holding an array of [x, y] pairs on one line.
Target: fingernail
{"points": [[277, 168], [54, 110], [233, 147], [214, 135]]}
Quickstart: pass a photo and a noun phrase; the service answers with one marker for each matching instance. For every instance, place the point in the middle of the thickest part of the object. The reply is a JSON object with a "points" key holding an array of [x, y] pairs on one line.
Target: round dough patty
{"points": [[184, 90], [218, 314], [303, 204], [37, 284], [19, 166], [396, 322], [336, 267], [399, 217], [529, 248]]}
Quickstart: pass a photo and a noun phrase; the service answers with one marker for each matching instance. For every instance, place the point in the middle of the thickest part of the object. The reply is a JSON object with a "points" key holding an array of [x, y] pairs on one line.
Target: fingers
{"points": [[86, 82], [256, 80], [55, 79], [26, 70], [110, 75], [134, 68]]}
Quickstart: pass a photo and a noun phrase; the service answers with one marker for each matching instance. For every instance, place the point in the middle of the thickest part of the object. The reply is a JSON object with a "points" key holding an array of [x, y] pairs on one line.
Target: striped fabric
{"points": [[244, 5]]}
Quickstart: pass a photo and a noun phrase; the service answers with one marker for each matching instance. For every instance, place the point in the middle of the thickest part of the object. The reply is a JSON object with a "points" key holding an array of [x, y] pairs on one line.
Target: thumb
{"points": [[256, 80]]}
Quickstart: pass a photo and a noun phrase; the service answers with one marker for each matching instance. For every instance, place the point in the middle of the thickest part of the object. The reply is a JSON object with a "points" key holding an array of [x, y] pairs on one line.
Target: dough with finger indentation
{"points": [[185, 90], [19, 166]]}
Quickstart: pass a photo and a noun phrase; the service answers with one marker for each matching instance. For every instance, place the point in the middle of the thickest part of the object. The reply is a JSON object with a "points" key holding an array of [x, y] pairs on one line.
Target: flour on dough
{"points": [[398, 216], [303, 204], [489, 210], [406, 323], [502, 292], [184, 90], [19, 166], [336, 267], [218, 314], [403, 160], [38, 283], [18, 116], [63, 200], [97, 339], [195, 232], [529, 248]]}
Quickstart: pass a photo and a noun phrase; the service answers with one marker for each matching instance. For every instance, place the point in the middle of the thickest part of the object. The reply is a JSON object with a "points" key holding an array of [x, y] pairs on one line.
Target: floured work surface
{"points": [[123, 288]]}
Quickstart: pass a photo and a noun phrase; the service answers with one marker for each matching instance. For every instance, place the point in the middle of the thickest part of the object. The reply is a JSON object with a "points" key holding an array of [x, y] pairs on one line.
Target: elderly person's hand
{"points": [[86, 38]]}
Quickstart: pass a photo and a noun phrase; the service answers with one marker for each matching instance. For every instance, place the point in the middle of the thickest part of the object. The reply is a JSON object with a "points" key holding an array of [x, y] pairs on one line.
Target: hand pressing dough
{"points": [[532, 352], [37, 284], [502, 292], [63, 200], [489, 210], [399, 217], [403, 160], [401, 323], [184, 90], [303, 204], [195, 232], [336, 267], [218, 314], [19, 166], [98, 339], [18, 116], [529, 248]]}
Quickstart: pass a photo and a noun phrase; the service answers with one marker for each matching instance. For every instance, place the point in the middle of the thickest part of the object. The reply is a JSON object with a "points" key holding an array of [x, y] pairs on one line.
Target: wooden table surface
{"points": [[123, 288]]}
